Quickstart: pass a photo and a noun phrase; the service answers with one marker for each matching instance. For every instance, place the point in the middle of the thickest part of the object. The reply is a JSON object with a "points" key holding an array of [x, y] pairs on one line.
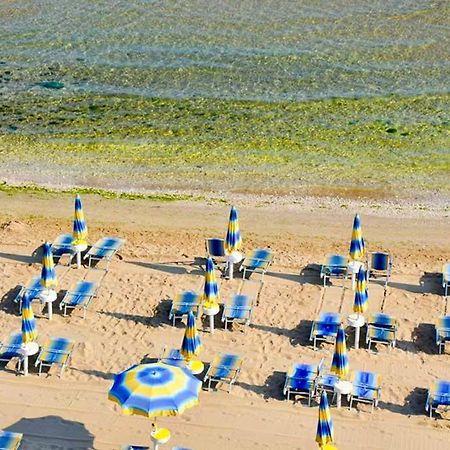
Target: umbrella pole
{"points": [[357, 335], [25, 365], [211, 323], [231, 270]]}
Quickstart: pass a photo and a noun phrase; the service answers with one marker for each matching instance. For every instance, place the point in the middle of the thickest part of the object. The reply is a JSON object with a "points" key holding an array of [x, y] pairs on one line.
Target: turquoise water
{"points": [[265, 50]]}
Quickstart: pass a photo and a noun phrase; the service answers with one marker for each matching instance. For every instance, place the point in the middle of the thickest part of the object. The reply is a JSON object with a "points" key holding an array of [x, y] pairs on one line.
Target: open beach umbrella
{"points": [[357, 248], [29, 330], [191, 344], [48, 275], [361, 295], [324, 433], [339, 365], [79, 225], [155, 390], [233, 241]]}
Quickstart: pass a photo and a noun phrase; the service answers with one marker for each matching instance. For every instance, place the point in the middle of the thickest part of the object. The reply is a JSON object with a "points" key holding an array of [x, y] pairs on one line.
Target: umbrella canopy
{"points": [[324, 433], [233, 240], [357, 243], [339, 364], [191, 345], [361, 295], [153, 390], [48, 275], [211, 289], [29, 330], [79, 225]]}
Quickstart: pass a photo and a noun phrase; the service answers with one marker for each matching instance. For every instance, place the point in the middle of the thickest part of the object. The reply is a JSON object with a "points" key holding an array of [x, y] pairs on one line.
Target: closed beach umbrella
{"points": [[339, 365], [154, 390], [48, 275], [79, 225], [361, 295], [357, 243], [211, 289], [324, 433], [233, 240], [191, 345], [29, 330]]}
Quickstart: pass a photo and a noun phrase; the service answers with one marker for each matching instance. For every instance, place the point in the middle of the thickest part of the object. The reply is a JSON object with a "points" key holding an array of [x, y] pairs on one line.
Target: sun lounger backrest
{"points": [[365, 384], [382, 320], [215, 247], [379, 261], [83, 291], [440, 392], [10, 440], [259, 258], [239, 307], [105, 247], [11, 348], [443, 326], [336, 264], [446, 272], [224, 366], [62, 244], [174, 358]]}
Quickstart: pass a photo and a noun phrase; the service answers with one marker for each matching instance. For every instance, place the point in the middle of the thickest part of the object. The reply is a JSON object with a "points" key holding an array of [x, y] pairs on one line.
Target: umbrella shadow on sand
{"points": [[52, 433]]}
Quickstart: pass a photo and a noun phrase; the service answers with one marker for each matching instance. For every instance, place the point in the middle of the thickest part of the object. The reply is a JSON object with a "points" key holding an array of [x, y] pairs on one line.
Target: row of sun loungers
{"points": [[56, 351]]}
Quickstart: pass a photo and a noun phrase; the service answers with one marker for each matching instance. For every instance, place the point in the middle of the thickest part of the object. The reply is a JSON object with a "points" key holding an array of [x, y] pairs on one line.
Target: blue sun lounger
{"points": [[184, 303], [381, 329], [134, 447], [103, 250], [56, 351], [334, 267], [215, 249], [380, 266], [10, 349], [301, 381], [172, 357], [61, 247], [258, 262], [32, 289], [79, 296], [10, 440], [239, 308], [442, 332], [366, 388], [325, 328], [446, 278], [223, 368], [438, 395]]}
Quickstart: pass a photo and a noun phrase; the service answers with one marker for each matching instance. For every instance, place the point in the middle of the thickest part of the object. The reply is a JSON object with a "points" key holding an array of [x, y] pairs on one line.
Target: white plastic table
{"points": [[27, 350], [211, 312], [353, 267], [342, 388], [78, 250], [48, 296], [356, 321], [233, 258]]}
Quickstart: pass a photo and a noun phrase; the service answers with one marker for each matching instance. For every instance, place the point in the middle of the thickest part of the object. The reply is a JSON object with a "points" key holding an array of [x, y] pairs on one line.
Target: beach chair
{"points": [[445, 277], [33, 289], [442, 332], [239, 309], [325, 328], [258, 262], [10, 440], [79, 296], [366, 388], [10, 350], [325, 381], [172, 357], [56, 351], [184, 303], [438, 395], [381, 329], [380, 266], [223, 368], [334, 267], [215, 249], [103, 250], [62, 247], [301, 381]]}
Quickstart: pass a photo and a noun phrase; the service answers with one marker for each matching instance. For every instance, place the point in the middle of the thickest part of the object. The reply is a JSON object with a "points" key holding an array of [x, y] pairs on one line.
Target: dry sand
{"points": [[128, 323]]}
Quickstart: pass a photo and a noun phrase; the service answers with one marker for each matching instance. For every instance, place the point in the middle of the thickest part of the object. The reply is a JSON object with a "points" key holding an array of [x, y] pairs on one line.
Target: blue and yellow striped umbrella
{"points": [[339, 365], [233, 240], [357, 248], [361, 294], [154, 390], [48, 275], [191, 344], [29, 330], [79, 225], [324, 433], [211, 289]]}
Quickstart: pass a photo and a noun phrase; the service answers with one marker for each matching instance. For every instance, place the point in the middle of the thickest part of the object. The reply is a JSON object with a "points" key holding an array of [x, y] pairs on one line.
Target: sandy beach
{"points": [[128, 322]]}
